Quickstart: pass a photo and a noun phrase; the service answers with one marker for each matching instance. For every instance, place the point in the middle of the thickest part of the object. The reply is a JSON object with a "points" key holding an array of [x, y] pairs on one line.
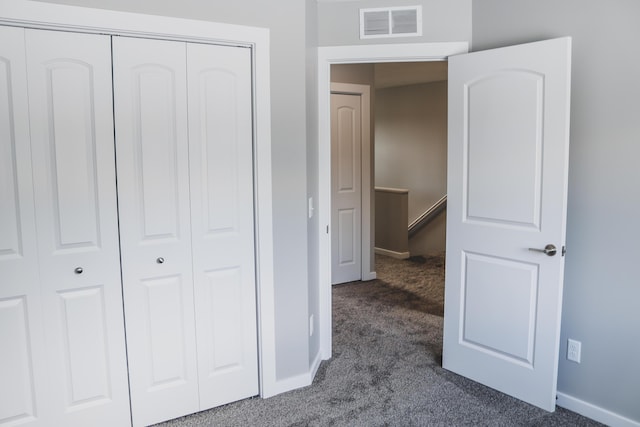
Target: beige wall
{"points": [[411, 153], [391, 220]]}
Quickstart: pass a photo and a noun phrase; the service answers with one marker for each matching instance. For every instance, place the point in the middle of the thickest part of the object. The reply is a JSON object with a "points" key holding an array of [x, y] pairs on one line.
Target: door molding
{"points": [[30, 14], [364, 91], [327, 56]]}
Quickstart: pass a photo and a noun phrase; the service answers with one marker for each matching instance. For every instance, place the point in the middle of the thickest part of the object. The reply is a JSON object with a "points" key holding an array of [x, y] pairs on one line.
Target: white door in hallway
{"points": [[507, 192], [71, 125], [346, 188]]}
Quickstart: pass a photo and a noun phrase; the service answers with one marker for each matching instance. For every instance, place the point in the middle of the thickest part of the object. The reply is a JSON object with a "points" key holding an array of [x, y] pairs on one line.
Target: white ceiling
{"points": [[409, 73]]}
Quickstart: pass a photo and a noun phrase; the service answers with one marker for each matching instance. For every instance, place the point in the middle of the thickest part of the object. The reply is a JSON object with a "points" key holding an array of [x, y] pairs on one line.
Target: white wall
{"points": [[602, 284], [411, 152], [289, 150], [443, 20]]}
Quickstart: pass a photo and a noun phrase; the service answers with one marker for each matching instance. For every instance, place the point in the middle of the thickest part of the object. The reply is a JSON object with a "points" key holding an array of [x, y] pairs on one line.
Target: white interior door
{"points": [[221, 171], [153, 193], [71, 123], [23, 356], [346, 188], [507, 178]]}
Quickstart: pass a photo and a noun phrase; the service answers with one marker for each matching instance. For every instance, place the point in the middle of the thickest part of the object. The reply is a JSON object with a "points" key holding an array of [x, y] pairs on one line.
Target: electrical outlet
{"points": [[573, 350], [311, 325]]}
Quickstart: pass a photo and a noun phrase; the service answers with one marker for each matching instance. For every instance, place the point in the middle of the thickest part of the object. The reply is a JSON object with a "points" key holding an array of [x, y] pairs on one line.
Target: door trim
{"points": [[367, 271], [327, 56], [80, 19]]}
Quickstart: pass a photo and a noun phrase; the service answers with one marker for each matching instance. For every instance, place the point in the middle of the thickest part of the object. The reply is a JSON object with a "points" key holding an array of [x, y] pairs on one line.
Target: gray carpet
{"points": [[386, 367]]}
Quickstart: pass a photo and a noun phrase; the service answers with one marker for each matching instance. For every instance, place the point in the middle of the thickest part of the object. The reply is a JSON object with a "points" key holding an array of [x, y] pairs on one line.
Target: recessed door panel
{"points": [[85, 346], [504, 115], [10, 232], [347, 227], [346, 149], [222, 218], [154, 93], [225, 308], [490, 324], [18, 390], [71, 145], [163, 312], [220, 97], [71, 125], [155, 234]]}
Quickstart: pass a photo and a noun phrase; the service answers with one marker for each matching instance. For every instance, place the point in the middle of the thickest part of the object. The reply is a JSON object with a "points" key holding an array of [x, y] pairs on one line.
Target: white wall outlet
{"points": [[573, 350], [311, 325]]}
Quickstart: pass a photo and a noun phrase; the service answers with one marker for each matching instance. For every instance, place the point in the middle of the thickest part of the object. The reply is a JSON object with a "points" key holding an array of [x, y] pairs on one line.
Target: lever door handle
{"points": [[549, 250]]}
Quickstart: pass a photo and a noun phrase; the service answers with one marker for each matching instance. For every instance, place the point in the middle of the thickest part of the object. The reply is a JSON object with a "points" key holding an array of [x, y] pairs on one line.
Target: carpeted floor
{"points": [[386, 367]]}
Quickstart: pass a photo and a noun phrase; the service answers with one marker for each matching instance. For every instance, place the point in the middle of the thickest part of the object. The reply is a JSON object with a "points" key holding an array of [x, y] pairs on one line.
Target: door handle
{"points": [[549, 250]]}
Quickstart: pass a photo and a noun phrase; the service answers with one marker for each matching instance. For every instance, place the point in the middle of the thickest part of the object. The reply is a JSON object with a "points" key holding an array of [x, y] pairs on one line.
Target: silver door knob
{"points": [[549, 250], [78, 270], [160, 260]]}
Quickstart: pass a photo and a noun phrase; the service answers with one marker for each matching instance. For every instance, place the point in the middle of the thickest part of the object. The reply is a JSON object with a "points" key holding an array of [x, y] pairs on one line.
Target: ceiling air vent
{"points": [[391, 22]]}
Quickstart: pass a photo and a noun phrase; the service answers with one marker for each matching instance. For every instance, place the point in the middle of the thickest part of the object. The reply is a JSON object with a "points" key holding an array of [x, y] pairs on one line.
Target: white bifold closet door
{"points": [[61, 323], [222, 221], [23, 357], [184, 150]]}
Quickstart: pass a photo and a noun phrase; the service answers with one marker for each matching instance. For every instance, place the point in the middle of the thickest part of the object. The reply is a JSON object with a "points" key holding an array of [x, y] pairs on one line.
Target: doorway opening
{"points": [[406, 177], [352, 55], [402, 154]]}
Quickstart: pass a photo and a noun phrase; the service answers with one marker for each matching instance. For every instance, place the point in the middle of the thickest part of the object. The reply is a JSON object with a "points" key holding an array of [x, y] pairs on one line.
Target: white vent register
{"points": [[391, 22]]}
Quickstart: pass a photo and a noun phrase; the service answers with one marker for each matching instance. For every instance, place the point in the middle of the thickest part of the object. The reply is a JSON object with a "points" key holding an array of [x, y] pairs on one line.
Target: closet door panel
{"points": [[153, 192], [22, 358], [221, 152], [69, 79]]}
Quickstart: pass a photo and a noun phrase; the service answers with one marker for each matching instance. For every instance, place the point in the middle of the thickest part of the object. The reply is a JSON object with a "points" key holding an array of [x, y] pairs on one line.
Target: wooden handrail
{"points": [[428, 216]]}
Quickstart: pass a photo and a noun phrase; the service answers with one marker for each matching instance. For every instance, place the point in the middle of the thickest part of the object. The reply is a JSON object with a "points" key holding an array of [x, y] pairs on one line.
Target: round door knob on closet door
{"points": [[160, 260], [78, 270]]}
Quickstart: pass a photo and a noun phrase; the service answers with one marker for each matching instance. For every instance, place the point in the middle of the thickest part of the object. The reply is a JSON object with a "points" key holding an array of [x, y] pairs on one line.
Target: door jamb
{"points": [[366, 240], [327, 56]]}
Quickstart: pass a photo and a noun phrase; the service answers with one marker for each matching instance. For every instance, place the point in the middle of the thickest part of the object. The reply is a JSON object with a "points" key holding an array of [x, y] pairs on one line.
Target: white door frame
{"points": [[364, 91], [327, 56], [30, 14]]}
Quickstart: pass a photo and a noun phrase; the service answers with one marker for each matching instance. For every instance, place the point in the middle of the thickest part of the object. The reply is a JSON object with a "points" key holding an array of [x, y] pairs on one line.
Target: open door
{"points": [[506, 219]]}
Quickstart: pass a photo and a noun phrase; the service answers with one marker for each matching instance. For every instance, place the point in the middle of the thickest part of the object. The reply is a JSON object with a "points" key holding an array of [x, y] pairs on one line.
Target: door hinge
{"points": [[564, 250], [327, 229]]}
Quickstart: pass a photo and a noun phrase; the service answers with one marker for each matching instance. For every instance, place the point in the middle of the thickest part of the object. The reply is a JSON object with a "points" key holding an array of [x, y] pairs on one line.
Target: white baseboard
{"points": [[392, 254], [313, 369], [298, 381], [370, 276], [594, 412]]}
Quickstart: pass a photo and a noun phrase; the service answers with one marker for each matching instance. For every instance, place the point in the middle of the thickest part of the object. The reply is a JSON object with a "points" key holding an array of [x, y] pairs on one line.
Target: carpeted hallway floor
{"points": [[386, 367]]}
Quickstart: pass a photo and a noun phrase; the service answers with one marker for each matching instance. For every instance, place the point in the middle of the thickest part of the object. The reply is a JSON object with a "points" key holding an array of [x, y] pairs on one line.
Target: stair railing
{"points": [[428, 216]]}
